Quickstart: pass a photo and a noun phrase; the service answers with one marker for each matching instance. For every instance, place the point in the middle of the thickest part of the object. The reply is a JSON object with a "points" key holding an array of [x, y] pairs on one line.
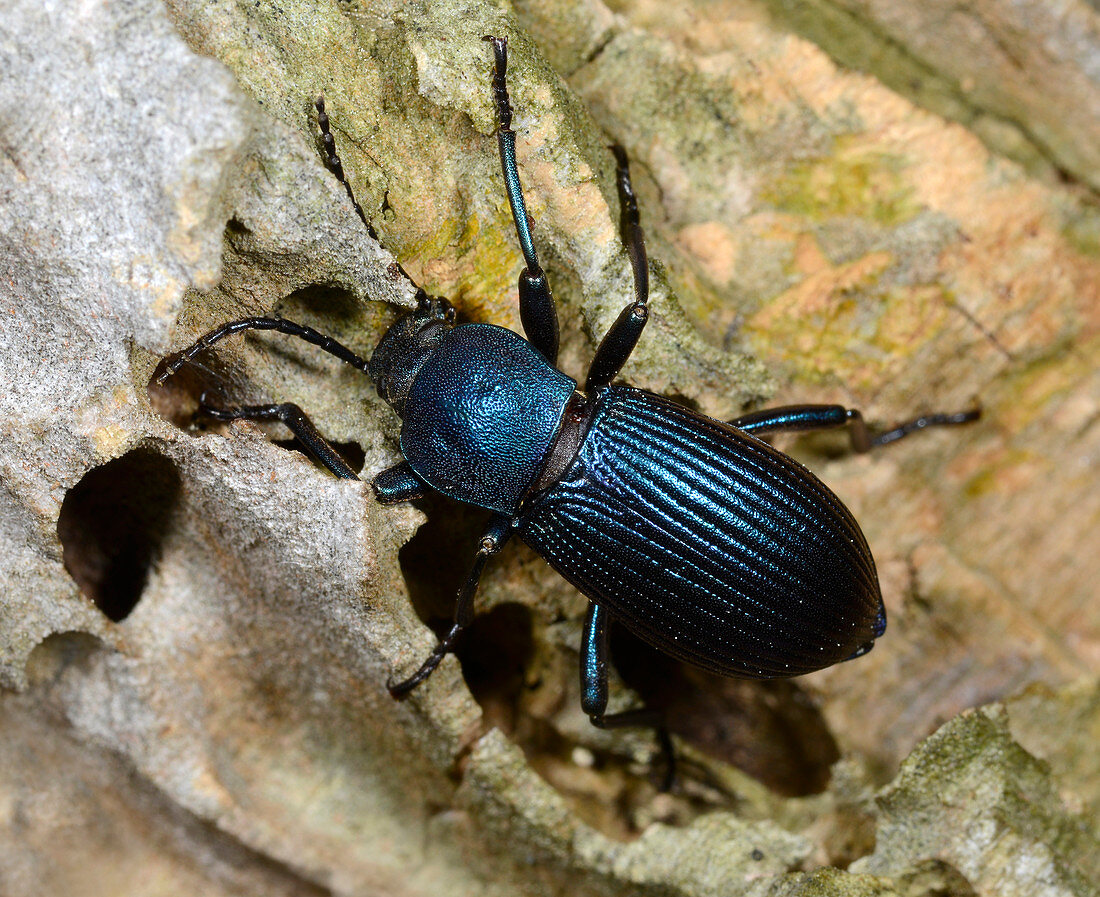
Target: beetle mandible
{"points": [[695, 534]]}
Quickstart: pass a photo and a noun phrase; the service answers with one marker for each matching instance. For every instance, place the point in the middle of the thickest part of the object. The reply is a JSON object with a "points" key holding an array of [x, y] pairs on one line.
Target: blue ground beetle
{"points": [[695, 534]]}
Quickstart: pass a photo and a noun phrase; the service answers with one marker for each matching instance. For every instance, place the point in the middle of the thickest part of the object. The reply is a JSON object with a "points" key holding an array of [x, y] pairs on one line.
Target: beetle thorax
{"points": [[482, 415]]}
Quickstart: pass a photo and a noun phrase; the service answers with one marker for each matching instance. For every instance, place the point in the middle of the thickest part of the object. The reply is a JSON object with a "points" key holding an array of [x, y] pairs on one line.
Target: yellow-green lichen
{"points": [[853, 181]]}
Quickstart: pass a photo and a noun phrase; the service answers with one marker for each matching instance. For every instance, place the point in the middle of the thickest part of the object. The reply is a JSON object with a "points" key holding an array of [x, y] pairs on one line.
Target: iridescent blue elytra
{"points": [[707, 542], [701, 538]]}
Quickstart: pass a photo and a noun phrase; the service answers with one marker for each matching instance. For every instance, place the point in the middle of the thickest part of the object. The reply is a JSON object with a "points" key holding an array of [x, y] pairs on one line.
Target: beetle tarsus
{"points": [[402, 688], [920, 423], [644, 718]]}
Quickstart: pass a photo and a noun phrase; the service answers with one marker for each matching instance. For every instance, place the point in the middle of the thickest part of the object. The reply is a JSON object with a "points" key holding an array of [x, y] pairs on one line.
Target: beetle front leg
{"points": [[397, 484], [537, 311], [296, 420], [594, 691], [493, 539], [821, 417]]}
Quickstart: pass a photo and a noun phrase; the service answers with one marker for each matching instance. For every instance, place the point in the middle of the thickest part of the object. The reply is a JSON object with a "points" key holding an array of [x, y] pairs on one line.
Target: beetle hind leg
{"points": [[823, 417], [594, 692], [863, 440]]}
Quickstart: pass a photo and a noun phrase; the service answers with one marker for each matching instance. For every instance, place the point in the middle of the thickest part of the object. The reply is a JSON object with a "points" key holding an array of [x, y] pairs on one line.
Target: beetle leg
{"points": [[630, 226], [493, 539], [863, 441], [620, 340], [536, 303], [332, 162], [594, 663], [295, 419], [397, 484], [594, 691], [819, 417]]}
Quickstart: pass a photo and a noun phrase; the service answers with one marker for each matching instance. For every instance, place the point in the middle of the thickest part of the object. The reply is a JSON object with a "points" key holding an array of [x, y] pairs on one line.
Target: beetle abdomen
{"points": [[708, 543]]}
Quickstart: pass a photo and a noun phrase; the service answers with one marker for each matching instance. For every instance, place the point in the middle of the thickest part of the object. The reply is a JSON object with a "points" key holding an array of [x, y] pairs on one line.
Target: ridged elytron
{"points": [[699, 537]]}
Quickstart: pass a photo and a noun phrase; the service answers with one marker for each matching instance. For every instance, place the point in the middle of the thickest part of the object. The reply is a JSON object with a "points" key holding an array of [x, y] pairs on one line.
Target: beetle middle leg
{"points": [[594, 660], [822, 417], [493, 539]]}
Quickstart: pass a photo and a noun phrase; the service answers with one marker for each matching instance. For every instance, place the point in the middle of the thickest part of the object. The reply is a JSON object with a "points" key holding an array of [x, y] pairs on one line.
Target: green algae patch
{"points": [[854, 181]]}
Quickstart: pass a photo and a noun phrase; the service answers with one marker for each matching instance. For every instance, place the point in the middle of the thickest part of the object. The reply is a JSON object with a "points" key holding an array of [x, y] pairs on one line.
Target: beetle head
{"points": [[405, 347]]}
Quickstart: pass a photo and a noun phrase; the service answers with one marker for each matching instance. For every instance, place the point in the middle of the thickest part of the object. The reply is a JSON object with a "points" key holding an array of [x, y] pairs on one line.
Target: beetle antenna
{"points": [[282, 325], [333, 163]]}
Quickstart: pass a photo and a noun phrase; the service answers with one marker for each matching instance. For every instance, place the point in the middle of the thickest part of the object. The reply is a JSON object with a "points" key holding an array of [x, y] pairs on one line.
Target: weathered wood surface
{"points": [[822, 234]]}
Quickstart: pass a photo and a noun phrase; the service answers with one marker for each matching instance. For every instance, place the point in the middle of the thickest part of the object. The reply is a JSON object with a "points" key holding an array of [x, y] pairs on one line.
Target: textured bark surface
{"points": [[197, 625]]}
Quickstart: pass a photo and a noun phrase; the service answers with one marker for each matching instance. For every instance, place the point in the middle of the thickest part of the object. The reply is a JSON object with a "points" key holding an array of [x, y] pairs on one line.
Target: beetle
{"points": [[698, 536]]}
